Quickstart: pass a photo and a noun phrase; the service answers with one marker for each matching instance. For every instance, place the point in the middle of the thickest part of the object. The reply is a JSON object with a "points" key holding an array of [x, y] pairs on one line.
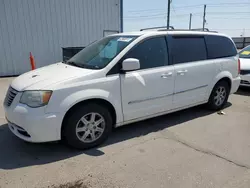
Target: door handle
{"points": [[182, 72], [166, 75]]}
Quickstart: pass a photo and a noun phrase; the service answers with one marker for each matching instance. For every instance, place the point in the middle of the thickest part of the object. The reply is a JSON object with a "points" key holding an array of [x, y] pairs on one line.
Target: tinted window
{"points": [[219, 46], [188, 49], [151, 53]]}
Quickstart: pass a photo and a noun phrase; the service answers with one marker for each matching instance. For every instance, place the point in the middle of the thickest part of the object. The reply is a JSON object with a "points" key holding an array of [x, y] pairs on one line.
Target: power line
{"points": [[228, 13], [220, 6], [246, 3], [213, 4], [230, 29], [180, 15], [226, 18], [186, 14], [190, 6], [154, 15], [146, 10], [146, 16], [193, 6]]}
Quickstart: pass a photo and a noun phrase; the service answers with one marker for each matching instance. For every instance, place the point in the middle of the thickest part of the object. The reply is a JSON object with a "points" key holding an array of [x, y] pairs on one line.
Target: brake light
{"points": [[238, 66]]}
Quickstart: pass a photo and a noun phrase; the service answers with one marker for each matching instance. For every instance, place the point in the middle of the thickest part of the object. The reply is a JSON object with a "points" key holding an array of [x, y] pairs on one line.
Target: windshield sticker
{"points": [[124, 39], [245, 53]]}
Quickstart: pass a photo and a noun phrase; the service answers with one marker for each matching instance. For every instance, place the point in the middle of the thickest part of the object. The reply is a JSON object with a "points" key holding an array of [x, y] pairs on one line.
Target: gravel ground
{"points": [[190, 148]]}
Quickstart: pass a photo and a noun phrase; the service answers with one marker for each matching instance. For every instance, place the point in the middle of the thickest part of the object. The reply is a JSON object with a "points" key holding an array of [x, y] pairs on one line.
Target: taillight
{"points": [[238, 66]]}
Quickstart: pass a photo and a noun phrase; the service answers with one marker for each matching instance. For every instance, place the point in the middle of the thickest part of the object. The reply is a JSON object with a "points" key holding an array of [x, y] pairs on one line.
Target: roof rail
{"points": [[205, 30], [196, 30], [170, 28], [182, 30], [200, 29]]}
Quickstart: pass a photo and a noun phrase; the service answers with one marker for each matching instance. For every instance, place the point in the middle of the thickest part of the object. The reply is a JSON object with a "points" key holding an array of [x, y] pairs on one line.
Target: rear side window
{"points": [[188, 49], [219, 46], [151, 53]]}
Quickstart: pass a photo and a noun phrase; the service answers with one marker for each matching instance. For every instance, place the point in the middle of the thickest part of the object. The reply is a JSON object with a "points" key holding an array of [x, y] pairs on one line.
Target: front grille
{"points": [[11, 94], [243, 72]]}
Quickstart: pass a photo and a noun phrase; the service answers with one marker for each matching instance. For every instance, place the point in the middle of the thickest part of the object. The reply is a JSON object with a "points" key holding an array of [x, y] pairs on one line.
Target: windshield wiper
{"points": [[91, 66], [73, 64], [88, 66]]}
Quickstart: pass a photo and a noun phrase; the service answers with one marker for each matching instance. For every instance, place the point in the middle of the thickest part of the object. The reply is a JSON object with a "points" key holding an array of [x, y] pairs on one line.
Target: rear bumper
{"points": [[235, 84], [245, 80]]}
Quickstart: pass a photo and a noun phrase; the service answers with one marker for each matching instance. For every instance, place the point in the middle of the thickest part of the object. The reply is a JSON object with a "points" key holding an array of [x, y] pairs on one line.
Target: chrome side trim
{"points": [[190, 89], [162, 96], [151, 98]]}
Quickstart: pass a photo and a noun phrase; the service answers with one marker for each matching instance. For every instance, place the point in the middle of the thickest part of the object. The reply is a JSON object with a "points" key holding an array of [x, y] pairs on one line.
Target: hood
{"points": [[52, 74], [244, 64]]}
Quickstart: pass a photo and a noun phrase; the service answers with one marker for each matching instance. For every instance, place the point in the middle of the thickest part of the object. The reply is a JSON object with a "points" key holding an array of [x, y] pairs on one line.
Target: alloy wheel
{"points": [[90, 127]]}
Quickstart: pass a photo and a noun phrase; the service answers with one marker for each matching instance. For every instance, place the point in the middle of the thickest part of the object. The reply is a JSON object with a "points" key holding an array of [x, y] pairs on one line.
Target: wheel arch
{"points": [[226, 76], [226, 79], [98, 101]]}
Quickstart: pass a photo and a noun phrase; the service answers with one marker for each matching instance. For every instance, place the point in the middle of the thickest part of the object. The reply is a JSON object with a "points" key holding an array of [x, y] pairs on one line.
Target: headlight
{"points": [[35, 99]]}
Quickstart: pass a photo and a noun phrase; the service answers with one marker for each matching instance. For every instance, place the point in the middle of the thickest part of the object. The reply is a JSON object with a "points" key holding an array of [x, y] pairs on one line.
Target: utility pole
{"points": [[243, 33], [204, 17], [190, 21], [168, 18]]}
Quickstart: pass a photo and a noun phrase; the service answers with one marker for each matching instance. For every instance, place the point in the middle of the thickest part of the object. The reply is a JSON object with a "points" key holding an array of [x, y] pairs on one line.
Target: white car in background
{"points": [[245, 66]]}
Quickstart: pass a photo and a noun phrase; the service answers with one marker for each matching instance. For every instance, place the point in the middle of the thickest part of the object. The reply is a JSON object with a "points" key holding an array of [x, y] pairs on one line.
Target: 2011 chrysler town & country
{"points": [[120, 79]]}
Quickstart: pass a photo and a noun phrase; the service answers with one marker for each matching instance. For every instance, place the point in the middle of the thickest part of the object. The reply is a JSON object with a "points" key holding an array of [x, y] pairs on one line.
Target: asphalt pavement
{"points": [[190, 148]]}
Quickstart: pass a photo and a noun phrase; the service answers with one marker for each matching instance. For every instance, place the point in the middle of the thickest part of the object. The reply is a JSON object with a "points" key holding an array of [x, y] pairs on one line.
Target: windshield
{"points": [[245, 53], [101, 53]]}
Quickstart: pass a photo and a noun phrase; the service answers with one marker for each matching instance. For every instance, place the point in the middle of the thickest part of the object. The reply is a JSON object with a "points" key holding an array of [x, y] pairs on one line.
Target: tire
{"points": [[213, 103], [78, 124]]}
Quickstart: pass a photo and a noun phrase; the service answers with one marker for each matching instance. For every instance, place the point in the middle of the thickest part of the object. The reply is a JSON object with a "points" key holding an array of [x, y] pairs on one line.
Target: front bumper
{"points": [[245, 80], [33, 124]]}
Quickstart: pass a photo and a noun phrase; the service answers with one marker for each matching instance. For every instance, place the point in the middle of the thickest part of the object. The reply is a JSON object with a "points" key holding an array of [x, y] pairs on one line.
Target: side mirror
{"points": [[130, 64]]}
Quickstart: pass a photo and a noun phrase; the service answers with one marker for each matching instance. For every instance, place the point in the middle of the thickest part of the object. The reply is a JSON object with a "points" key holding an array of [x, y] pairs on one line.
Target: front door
{"points": [[193, 71], [149, 90]]}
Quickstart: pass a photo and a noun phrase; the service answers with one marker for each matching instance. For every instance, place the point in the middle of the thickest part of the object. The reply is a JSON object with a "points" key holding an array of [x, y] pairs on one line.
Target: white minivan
{"points": [[120, 79]]}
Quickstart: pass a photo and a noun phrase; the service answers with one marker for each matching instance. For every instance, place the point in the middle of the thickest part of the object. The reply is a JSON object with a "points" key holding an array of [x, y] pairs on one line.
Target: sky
{"points": [[231, 17]]}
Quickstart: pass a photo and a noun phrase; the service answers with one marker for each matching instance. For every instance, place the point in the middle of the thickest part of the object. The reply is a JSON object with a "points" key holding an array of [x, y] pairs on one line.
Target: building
{"points": [[43, 27]]}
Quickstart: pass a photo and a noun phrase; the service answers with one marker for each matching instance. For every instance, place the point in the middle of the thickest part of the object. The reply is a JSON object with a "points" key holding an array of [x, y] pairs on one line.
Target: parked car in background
{"points": [[120, 79], [245, 66]]}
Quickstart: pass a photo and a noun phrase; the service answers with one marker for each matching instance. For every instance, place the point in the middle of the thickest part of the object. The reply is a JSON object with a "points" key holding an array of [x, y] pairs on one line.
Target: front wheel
{"points": [[219, 96], [87, 126]]}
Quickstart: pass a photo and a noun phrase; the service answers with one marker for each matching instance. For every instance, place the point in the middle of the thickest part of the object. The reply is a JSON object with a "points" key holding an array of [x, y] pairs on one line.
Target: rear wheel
{"points": [[219, 96], [87, 126]]}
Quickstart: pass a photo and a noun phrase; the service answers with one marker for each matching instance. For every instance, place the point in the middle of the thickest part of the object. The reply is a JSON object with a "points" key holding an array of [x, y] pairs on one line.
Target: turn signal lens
{"points": [[46, 96]]}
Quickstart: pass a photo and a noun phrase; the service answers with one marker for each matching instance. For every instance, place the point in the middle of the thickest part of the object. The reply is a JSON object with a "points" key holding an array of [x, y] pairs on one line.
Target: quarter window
{"points": [[220, 46], [151, 53], [188, 49]]}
